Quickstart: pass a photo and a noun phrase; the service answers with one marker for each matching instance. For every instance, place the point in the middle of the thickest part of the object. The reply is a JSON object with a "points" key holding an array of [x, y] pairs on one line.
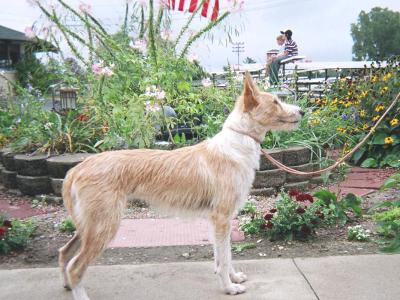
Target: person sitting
{"points": [[290, 49], [280, 40]]}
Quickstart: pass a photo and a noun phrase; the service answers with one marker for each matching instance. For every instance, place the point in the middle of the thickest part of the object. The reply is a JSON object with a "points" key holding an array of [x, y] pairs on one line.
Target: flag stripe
{"points": [[181, 5], [214, 15], [205, 8], [173, 4], [193, 5]]}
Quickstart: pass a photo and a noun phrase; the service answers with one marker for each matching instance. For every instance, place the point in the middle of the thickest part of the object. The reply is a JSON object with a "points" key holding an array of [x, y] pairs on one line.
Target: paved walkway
{"points": [[176, 231], [368, 277]]}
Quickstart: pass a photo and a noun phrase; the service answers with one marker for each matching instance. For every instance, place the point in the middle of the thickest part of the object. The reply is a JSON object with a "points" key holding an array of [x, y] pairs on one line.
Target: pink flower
{"points": [[85, 8], [160, 95], [206, 82], [29, 33], [193, 57], [151, 107], [140, 45], [235, 5], [142, 2], [97, 69]]}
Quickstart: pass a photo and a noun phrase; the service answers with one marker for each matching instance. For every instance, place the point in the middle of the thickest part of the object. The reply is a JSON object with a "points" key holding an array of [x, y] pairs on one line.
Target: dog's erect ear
{"points": [[250, 92]]}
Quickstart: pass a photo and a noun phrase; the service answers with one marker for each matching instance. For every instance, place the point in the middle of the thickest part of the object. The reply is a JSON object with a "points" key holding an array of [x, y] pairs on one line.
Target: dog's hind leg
{"points": [[65, 254], [97, 226], [223, 256]]}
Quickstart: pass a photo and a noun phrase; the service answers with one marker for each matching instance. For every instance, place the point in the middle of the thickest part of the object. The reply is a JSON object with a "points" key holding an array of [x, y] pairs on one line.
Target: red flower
{"points": [[319, 214], [273, 210], [3, 230], [300, 210], [268, 217], [82, 117], [7, 223], [294, 193], [304, 197], [269, 225]]}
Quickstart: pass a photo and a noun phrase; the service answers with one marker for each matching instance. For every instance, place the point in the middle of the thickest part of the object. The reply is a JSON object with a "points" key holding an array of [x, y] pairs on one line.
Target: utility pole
{"points": [[238, 48]]}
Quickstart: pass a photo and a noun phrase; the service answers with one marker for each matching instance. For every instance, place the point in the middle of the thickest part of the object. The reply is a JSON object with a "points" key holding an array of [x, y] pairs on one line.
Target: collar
{"points": [[256, 139]]}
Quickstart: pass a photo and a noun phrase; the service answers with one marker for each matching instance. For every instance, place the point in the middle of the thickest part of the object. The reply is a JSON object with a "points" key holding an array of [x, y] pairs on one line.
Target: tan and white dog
{"points": [[210, 179]]}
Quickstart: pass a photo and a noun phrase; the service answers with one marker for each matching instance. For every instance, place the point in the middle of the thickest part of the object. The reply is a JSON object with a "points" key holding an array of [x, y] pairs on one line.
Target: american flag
{"points": [[192, 5]]}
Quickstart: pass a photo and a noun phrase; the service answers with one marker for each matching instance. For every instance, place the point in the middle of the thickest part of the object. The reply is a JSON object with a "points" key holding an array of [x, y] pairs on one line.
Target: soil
{"points": [[43, 246]]}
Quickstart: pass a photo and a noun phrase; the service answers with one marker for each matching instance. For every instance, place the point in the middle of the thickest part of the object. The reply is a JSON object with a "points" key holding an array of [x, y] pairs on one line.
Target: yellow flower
{"points": [[379, 108], [376, 118], [347, 104], [387, 76], [388, 140], [364, 94], [334, 101], [384, 89], [395, 121], [365, 126], [317, 112], [341, 129], [374, 78], [362, 113]]}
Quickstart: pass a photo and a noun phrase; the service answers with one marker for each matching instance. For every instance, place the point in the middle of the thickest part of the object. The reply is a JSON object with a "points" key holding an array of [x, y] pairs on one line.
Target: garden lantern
{"points": [[64, 98]]}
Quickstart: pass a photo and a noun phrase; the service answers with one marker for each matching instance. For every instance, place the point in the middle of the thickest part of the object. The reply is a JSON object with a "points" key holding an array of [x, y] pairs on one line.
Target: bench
{"points": [[288, 60]]}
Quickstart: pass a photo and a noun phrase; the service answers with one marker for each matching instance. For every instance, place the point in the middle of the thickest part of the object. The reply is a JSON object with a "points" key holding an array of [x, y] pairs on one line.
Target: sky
{"points": [[321, 28]]}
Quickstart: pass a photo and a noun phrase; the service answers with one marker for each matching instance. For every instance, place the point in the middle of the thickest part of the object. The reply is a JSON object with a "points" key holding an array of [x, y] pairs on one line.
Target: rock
{"points": [[303, 168], [296, 156], [269, 178], [30, 185], [263, 192], [58, 166], [9, 179], [303, 185], [265, 164], [56, 185], [8, 159], [31, 165]]}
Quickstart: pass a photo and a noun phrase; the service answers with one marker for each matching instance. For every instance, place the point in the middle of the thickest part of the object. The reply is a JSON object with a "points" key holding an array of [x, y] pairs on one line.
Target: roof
{"points": [[37, 45], [11, 34]]}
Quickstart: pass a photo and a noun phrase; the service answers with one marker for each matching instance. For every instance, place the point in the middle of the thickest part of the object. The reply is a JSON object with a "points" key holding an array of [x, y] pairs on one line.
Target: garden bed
{"points": [[43, 246]]}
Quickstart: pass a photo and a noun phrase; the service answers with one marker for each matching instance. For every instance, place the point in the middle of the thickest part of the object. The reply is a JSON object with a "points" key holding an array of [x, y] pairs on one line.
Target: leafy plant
{"points": [[339, 210], [389, 221], [357, 233], [14, 234], [244, 246], [67, 226]]}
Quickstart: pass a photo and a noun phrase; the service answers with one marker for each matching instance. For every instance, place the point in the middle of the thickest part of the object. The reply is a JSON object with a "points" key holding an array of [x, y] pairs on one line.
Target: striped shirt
{"points": [[291, 48]]}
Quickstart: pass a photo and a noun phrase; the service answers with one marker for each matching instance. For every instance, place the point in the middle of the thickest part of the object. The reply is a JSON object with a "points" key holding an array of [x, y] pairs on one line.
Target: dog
{"points": [[210, 179]]}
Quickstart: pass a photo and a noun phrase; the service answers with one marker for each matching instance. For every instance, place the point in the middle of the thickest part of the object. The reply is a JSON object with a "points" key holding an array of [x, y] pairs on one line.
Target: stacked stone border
{"points": [[39, 174]]}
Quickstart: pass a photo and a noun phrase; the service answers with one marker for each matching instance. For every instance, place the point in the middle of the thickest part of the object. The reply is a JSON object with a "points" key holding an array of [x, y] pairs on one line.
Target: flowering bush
{"points": [[354, 105], [357, 233], [14, 234], [297, 214]]}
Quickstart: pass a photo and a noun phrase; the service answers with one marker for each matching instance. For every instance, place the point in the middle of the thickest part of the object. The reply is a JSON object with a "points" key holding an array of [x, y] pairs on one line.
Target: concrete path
{"points": [[368, 277]]}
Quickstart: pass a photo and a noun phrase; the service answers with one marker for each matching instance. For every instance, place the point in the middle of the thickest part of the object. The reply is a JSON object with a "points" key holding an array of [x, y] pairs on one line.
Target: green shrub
{"points": [[67, 226], [357, 233], [389, 221], [14, 234]]}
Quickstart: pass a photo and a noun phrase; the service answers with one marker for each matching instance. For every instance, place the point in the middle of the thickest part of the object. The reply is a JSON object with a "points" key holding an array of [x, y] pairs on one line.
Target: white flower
{"points": [[206, 82], [193, 57], [85, 8], [48, 125], [108, 71], [140, 45], [151, 107], [29, 33], [166, 35]]}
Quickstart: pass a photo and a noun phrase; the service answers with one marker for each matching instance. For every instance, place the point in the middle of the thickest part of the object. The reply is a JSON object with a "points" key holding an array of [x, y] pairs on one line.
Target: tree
{"points": [[249, 60], [376, 34]]}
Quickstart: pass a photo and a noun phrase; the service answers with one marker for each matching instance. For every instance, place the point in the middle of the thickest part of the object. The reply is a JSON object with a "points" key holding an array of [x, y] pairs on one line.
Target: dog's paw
{"points": [[238, 277], [235, 289]]}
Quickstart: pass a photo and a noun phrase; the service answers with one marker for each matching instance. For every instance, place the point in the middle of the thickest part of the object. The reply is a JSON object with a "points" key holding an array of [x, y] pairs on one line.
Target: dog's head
{"points": [[266, 109]]}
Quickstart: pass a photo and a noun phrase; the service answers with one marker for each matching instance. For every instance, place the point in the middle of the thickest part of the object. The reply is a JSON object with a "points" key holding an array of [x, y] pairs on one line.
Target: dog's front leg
{"points": [[223, 256]]}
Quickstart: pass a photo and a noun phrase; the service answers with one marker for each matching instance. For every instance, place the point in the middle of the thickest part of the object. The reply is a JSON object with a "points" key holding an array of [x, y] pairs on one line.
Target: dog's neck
{"points": [[242, 124]]}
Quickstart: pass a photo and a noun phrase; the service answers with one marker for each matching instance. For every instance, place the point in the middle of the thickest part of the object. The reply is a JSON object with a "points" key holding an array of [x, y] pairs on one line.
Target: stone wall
{"points": [[36, 175]]}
